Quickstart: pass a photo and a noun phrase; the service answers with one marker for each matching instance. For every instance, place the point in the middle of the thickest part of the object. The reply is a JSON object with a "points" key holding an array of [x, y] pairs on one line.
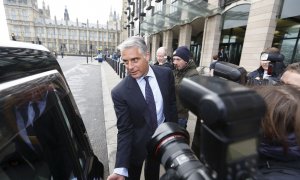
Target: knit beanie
{"points": [[182, 52]]}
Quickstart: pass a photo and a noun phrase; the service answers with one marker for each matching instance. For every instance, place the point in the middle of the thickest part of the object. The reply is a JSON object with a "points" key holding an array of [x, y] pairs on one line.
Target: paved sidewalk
{"points": [[109, 79]]}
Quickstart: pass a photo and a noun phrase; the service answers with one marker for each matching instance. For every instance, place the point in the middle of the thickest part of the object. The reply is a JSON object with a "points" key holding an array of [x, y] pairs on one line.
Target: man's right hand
{"points": [[115, 176]]}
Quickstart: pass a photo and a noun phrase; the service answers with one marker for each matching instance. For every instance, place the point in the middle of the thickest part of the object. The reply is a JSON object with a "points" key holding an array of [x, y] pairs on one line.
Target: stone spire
{"points": [[66, 15]]}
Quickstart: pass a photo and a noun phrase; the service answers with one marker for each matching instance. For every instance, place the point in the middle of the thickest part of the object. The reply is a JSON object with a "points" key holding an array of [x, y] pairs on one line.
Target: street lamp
{"points": [[86, 48]]}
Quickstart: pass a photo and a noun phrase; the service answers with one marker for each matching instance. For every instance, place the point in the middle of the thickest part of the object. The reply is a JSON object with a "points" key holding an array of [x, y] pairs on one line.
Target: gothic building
{"points": [[30, 24]]}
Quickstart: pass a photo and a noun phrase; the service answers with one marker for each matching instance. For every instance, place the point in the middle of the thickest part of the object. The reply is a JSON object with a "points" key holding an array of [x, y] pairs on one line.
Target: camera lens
{"points": [[169, 145]]}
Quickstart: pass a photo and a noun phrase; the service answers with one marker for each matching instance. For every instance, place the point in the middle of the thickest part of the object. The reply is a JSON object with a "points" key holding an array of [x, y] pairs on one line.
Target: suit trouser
{"points": [[151, 170]]}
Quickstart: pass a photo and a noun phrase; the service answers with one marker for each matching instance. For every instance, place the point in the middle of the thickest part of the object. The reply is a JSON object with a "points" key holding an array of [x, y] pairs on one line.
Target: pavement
{"points": [[109, 80]]}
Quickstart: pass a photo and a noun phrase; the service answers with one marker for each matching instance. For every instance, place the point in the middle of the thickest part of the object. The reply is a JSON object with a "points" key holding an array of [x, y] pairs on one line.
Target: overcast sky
{"points": [[83, 9]]}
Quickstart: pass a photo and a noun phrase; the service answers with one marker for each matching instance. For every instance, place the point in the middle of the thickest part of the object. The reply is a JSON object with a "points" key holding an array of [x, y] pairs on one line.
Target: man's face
{"points": [[290, 77], [136, 63], [179, 63], [160, 56], [265, 65]]}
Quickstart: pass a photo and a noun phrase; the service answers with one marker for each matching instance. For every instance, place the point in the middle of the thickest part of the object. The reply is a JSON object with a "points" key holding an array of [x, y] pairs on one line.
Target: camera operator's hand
{"points": [[115, 176]]}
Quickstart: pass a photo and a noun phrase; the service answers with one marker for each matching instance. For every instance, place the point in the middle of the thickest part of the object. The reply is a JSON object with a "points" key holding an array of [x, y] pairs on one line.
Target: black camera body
{"points": [[231, 72], [230, 115]]}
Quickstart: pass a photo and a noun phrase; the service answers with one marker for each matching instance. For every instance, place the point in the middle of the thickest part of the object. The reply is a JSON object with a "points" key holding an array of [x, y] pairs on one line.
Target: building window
{"points": [[100, 36], [286, 38], [13, 15], [82, 35], [236, 16], [27, 31], [104, 37], [25, 16], [72, 34], [92, 35], [50, 45], [233, 33], [51, 33]]}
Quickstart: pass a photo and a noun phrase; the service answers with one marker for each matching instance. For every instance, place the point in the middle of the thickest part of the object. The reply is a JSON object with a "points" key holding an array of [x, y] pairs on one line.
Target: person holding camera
{"points": [[270, 69], [184, 68], [279, 150], [142, 100]]}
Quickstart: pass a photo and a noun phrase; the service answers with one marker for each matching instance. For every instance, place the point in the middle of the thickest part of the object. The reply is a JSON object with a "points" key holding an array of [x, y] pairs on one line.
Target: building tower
{"points": [[66, 15]]}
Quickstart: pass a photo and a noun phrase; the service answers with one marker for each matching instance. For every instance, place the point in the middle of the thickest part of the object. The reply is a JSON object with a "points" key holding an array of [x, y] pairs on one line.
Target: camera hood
{"points": [[230, 71]]}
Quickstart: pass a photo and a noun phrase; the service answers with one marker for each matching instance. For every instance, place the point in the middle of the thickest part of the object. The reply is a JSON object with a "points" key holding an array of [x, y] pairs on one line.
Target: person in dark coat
{"points": [[262, 74], [184, 68], [279, 150], [222, 55], [134, 122]]}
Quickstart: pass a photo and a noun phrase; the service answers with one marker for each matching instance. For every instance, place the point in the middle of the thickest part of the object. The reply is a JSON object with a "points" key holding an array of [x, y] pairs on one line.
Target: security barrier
{"points": [[118, 66]]}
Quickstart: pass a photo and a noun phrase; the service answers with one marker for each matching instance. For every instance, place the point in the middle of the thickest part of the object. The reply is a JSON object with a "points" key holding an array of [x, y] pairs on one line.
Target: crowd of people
{"points": [[155, 88]]}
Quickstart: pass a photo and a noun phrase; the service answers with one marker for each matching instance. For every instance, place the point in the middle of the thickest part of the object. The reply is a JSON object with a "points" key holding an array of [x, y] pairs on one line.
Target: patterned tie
{"points": [[151, 103]]}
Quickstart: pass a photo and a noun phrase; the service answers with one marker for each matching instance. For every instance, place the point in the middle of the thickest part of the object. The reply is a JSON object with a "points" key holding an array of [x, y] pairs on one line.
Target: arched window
{"points": [[233, 31]]}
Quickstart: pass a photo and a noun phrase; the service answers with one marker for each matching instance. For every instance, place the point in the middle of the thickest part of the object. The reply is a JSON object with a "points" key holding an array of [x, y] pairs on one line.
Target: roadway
{"points": [[86, 85]]}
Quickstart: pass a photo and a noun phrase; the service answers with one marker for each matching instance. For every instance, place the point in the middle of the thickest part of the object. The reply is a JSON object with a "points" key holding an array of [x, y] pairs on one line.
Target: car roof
{"points": [[19, 59], [17, 44]]}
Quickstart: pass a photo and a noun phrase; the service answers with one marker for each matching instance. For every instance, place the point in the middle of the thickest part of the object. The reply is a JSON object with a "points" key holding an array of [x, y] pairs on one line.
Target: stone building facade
{"points": [[244, 28], [29, 23]]}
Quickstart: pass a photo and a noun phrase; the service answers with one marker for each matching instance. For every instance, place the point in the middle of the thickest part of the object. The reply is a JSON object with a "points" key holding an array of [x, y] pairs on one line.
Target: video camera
{"points": [[230, 115]]}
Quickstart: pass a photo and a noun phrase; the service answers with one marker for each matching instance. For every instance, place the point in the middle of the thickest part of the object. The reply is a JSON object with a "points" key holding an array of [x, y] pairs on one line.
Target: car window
{"points": [[39, 135]]}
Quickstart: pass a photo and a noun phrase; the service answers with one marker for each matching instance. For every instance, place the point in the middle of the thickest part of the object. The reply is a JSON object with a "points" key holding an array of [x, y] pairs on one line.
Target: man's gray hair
{"points": [[134, 41]]}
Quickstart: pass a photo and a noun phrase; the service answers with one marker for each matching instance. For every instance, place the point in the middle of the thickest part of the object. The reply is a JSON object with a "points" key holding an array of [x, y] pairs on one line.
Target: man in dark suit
{"points": [[222, 55], [134, 121]]}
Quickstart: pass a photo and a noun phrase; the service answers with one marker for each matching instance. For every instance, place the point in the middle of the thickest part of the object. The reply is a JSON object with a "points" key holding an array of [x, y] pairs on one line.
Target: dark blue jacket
{"points": [[274, 163]]}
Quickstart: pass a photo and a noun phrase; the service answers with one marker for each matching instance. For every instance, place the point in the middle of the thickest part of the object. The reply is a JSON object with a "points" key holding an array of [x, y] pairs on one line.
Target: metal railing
{"points": [[118, 66]]}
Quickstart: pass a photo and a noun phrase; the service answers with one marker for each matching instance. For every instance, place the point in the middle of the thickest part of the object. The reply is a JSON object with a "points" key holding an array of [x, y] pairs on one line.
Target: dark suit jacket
{"points": [[133, 119], [223, 57]]}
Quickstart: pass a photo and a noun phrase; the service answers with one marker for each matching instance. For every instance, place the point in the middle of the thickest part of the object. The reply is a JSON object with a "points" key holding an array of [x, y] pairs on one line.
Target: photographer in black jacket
{"points": [[270, 69]]}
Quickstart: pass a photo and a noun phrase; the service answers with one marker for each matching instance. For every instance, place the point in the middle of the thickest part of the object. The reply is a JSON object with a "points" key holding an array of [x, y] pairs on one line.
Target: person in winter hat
{"points": [[184, 68], [181, 56]]}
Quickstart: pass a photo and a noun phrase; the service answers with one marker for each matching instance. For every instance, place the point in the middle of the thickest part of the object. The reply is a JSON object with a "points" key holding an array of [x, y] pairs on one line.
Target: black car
{"points": [[42, 135]]}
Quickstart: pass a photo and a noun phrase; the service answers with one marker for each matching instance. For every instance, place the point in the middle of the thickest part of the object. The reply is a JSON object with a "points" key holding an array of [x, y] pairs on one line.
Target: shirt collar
{"points": [[150, 73]]}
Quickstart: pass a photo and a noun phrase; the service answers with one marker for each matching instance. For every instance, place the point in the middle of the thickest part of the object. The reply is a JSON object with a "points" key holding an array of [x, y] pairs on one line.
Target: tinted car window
{"points": [[37, 137], [42, 135]]}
